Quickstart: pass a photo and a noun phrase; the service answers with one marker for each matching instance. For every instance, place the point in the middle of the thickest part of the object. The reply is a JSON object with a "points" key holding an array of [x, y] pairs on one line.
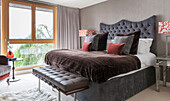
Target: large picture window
{"points": [[32, 54], [31, 31]]}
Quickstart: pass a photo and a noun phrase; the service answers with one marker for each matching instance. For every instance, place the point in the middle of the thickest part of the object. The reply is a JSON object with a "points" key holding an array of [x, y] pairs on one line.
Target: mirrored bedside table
{"points": [[161, 62]]}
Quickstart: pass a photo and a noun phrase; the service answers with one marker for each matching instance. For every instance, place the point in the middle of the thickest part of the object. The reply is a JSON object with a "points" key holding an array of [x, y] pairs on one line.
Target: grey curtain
{"points": [[68, 25]]}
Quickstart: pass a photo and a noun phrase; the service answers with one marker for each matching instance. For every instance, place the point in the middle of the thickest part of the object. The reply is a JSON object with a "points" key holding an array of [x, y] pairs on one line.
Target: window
{"points": [[44, 27], [31, 30], [32, 54], [20, 21]]}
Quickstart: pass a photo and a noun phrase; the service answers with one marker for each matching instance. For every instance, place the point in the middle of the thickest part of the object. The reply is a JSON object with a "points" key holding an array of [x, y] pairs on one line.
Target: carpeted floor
{"points": [[28, 95], [150, 94], [29, 81]]}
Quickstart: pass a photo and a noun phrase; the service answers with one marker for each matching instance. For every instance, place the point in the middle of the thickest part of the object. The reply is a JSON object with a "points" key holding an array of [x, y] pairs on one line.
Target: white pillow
{"points": [[144, 45]]}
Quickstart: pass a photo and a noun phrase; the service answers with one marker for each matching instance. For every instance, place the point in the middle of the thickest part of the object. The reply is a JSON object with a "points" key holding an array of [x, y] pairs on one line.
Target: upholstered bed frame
{"points": [[147, 28], [122, 88]]}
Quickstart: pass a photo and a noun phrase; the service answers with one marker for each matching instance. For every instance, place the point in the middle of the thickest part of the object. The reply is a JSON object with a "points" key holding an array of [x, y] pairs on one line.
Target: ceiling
{"points": [[71, 3]]}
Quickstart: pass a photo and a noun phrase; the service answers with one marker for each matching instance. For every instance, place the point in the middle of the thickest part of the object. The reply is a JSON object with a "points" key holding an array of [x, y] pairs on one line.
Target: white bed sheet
{"points": [[147, 60]]}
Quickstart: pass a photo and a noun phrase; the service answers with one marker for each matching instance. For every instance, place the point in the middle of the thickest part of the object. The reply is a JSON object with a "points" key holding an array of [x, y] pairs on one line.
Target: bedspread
{"points": [[97, 66]]}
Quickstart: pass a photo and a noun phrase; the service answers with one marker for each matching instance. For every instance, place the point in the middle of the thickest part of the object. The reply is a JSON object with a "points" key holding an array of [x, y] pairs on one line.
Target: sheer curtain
{"points": [[68, 25]]}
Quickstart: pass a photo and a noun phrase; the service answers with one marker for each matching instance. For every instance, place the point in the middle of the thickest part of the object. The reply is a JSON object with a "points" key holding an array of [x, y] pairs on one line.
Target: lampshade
{"points": [[85, 32], [164, 27]]}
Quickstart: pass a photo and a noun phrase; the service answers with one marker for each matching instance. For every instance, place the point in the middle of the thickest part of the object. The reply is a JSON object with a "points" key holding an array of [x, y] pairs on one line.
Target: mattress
{"points": [[147, 60]]}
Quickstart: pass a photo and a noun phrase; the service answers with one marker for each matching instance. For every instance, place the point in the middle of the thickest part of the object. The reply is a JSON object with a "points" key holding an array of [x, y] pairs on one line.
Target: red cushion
{"points": [[4, 76], [115, 49], [86, 46]]}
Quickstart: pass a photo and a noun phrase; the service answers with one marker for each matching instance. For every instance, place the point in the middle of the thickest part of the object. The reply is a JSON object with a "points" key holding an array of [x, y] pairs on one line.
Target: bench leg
{"points": [[8, 81], [58, 95], [74, 96], [39, 85]]}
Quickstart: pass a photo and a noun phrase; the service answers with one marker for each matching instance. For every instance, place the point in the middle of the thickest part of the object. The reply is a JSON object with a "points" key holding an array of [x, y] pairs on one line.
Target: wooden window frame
{"points": [[5, 26]]}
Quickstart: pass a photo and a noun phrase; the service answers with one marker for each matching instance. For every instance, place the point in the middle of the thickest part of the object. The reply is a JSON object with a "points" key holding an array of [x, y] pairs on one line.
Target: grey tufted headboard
{"points": [[147, 28]]}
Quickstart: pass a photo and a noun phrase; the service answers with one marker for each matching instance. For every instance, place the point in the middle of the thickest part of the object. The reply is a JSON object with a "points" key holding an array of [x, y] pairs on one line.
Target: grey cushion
{"points": [[108, 42], [89, 38], [94, 39], [4, 69], [99, 41], [62, 79], [128, 40]]}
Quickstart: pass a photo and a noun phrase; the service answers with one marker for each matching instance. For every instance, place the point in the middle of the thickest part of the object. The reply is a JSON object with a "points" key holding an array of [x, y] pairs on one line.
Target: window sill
{"points": [[30, 67]]}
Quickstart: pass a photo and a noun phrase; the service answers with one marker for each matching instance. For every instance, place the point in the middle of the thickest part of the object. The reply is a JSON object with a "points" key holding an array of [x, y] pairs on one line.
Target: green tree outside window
{"points": [[34, 54]]}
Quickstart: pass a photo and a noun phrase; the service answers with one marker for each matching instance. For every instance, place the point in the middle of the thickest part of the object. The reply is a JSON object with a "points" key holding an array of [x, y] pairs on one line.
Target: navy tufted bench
{"points": [[62, 80]]}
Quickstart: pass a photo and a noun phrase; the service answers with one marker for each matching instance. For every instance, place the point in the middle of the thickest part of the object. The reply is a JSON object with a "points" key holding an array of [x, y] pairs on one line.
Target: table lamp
{"points": [[83, 33], [164, 28]]}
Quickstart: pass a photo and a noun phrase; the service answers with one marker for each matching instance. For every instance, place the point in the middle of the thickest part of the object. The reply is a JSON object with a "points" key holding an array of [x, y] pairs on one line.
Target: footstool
{"points": [[62, 80]]}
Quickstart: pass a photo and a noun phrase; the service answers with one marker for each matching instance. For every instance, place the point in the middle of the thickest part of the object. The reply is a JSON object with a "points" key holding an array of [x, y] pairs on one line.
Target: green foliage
{"points": [[43, 32], [34, 54]]}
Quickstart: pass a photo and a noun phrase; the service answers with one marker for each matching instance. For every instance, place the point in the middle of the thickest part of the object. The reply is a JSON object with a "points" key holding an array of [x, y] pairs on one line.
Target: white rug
{"points": [[28, 95]]}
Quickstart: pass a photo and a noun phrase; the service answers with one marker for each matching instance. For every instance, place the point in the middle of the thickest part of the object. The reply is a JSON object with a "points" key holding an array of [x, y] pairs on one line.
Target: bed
{"points": [[123, 86]]}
